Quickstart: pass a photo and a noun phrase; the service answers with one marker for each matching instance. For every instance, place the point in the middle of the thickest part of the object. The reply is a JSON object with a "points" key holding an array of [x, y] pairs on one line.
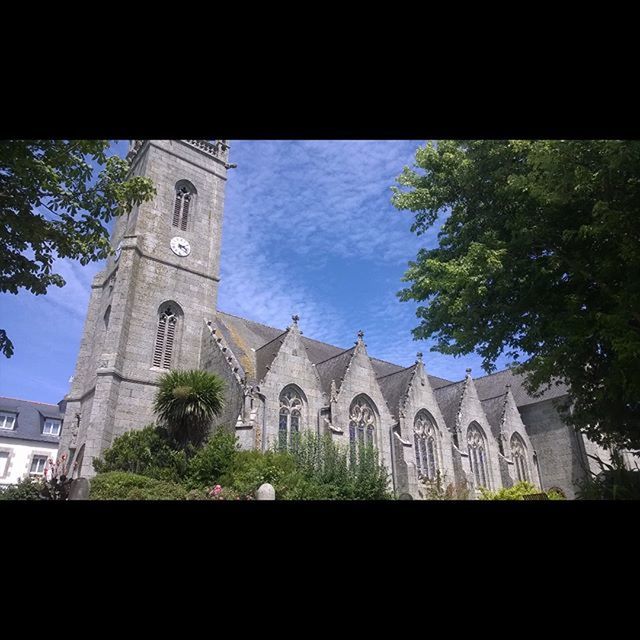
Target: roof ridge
{"points": [[393, 373], [332, 357], [266, 344], [444, 386], [500, 395], [50, 404]]}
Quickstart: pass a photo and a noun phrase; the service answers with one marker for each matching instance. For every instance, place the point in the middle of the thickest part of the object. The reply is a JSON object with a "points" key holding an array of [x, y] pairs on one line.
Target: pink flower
{"points": [[217, 490]]}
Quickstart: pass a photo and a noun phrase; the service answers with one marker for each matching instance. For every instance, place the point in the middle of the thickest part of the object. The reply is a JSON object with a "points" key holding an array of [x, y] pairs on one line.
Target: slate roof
{"points": [[334, 369], [30, 419], [250, 340], [394, 387], [493, 409], [494, 385], [448, 399], [246, 337]]}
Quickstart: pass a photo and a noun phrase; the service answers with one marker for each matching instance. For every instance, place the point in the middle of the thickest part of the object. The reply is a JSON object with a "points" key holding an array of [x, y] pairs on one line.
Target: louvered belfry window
{"points": [[181, 206], [165, 338]]}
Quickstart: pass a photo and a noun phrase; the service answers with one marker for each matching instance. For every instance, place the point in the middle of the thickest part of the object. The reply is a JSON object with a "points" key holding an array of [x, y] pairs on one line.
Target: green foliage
{"points": [[118, 485], [327, 471], [439, 489], [213, 460], [250, 469], [186, 403], [26, 489], [148, 452], [614, 482], [53, 205], [538, 255], [516, 492]]}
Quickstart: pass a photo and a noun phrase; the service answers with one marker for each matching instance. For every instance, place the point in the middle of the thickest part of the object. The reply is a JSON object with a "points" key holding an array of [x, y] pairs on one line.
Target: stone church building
{"points": [[153, 308]]}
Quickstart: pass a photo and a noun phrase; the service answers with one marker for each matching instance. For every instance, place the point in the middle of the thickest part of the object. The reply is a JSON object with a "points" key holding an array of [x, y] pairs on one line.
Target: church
{"points": [[154, 308]]}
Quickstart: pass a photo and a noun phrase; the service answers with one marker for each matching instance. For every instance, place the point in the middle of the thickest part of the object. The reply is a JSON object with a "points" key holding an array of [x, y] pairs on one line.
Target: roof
{"points": [[494, 409], [494, 385], [249, 341], [334, 369], [394, 387], [448, 399], [246, 337], [30, 419]]}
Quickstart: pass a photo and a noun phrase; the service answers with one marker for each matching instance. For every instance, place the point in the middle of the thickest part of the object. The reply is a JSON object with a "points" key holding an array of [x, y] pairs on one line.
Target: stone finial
{"points": [[295, 317], [419, 356], [360, 335], [266, 492], [468, 371]]}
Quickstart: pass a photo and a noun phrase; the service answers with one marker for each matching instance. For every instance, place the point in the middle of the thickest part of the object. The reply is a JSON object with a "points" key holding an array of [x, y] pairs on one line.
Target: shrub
{"points": [[250, 469], [147, 452], [213, 460], [26, 489], [516, 492], [437, 489], [614, 482], [119, 485]]}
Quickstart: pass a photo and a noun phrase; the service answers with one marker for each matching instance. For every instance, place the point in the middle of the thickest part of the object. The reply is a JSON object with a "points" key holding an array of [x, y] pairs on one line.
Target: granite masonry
{"points": [[153, 308]]}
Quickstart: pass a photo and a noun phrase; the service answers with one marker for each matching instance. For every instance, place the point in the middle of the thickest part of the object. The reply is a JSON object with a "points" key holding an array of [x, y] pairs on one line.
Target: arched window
{"points": [[291, 405], [362, 423], [185, 193], [168, 319], [519, 455], [424, 438], [478, 455]]}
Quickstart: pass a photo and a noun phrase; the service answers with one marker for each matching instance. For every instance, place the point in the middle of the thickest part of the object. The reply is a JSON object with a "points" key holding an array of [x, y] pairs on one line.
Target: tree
{"points": [[538, 258], [52, 204], [187, 402]]}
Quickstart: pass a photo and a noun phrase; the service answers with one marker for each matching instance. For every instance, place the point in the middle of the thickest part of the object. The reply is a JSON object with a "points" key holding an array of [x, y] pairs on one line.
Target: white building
{"points": [[29, 435]]}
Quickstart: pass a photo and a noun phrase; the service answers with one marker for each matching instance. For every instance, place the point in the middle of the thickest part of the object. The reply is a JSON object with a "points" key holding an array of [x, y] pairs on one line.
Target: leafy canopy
{"points": [[187, 402], [52, 204], [539, 254]]}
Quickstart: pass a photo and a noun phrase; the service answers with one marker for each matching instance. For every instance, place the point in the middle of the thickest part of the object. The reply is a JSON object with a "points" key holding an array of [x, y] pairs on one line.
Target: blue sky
{"points": [[308, 228]]}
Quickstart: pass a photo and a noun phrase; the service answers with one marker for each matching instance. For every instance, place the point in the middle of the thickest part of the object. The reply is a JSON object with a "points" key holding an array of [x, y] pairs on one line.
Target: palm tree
{"points": [[187, 402]]}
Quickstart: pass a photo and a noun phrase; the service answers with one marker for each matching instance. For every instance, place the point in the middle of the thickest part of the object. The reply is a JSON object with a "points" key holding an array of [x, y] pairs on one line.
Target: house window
{"points": [[424, 437], [4, 463], [51, 427], [7, 420], [37, 465], [519, 454], [291, 406]]}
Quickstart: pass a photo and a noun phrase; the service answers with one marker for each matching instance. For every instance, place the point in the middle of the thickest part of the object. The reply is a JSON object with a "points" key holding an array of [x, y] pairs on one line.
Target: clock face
{"points": [[180, 246]]}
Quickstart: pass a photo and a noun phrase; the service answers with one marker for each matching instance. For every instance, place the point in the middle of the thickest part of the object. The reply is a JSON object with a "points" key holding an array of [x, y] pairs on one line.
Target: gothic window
{"points": [[185, 193], [519, 455], [424, 438], [478, 455], [362, 423], [291, 405], [166, 332]]}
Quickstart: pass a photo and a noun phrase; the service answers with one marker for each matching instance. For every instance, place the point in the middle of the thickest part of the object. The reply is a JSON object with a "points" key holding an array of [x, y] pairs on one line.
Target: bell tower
{"points": [[147, 305]]}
